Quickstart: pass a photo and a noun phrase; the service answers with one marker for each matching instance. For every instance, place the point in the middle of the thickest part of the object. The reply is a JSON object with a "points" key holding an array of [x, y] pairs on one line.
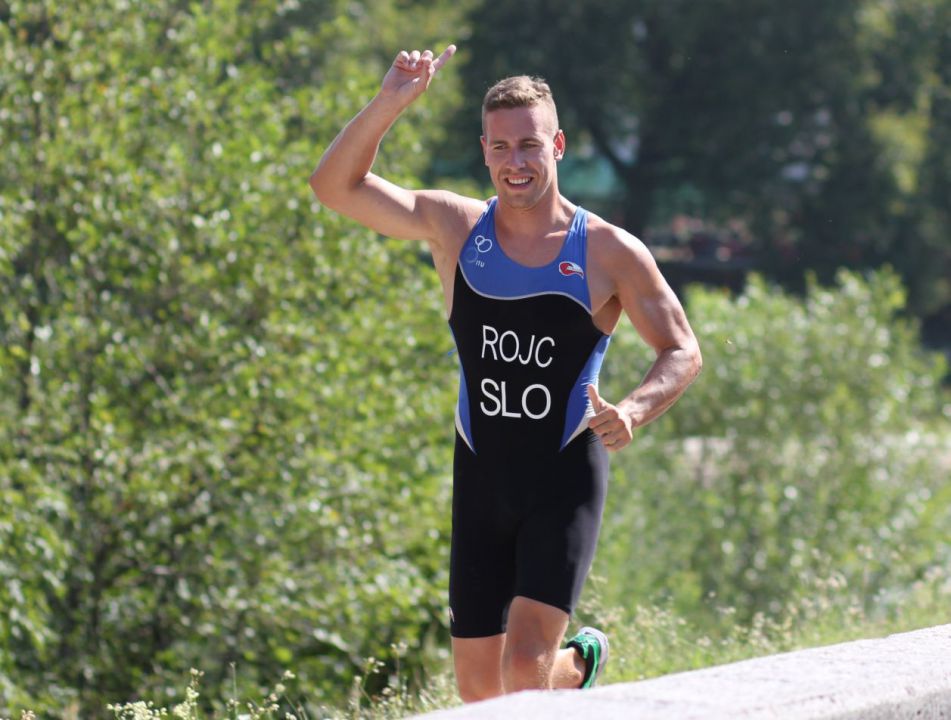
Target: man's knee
{"points": [[534, 634], [478, 667], [476, 684]]}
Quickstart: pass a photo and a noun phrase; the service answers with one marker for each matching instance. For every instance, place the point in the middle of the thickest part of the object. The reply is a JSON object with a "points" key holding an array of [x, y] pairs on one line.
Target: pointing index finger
{"points": [[446, 54]]}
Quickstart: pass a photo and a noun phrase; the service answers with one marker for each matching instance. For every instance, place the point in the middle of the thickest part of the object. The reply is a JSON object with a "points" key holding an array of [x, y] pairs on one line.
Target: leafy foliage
{"points": [[810, 445], [219, 412], [821, 127], [226, 432]]}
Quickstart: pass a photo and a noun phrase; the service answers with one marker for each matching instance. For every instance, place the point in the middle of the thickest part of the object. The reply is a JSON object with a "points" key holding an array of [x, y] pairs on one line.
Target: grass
{"points": [[652, 641], [646, 641]]}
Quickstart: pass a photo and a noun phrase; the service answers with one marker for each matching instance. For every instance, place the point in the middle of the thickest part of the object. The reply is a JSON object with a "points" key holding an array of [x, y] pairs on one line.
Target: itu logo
{"points": [[483, 245], [568, 269]]}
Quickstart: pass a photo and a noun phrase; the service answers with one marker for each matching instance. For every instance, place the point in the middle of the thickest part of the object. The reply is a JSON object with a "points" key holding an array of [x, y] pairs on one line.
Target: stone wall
{"points": [[900, 676]]}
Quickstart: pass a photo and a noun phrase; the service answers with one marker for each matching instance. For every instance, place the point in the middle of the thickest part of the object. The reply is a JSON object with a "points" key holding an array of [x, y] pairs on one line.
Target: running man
{"points": [[534, 286]]}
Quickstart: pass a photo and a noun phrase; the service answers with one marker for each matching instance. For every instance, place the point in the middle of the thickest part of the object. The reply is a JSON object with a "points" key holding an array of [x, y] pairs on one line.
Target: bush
{"points": [[222, 405], [812, 444]]}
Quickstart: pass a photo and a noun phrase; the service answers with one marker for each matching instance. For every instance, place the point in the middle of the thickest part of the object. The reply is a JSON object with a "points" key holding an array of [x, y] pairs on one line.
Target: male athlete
{"points": [[534, 286]]}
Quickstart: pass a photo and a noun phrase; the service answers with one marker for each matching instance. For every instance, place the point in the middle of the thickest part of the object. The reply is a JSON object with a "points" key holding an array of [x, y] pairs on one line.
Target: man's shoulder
{"points": [[450, 217], [453, 201], [621, 258], [611, 243], [450, 207]]}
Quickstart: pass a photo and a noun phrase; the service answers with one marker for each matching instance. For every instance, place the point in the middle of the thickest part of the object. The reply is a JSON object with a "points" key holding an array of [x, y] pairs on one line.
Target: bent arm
{"points": [[343, 180], [659, 318]]}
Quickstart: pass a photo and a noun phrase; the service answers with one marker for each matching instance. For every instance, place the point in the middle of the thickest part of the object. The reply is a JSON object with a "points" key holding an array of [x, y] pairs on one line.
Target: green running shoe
{"points": [[593, 646]]}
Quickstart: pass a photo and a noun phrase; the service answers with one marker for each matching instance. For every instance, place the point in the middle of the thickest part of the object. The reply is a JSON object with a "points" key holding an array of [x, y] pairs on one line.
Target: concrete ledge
{"points": [[900, 676]]}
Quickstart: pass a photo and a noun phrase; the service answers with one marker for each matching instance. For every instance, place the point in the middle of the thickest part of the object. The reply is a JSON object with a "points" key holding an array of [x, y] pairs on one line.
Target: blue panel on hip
{"points": [[579, 406]]}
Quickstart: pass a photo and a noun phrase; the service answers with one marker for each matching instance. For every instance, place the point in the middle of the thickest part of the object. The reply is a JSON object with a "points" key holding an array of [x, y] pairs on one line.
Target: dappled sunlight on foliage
{"points": [[227, 411], [815, 441], [223, 404]]}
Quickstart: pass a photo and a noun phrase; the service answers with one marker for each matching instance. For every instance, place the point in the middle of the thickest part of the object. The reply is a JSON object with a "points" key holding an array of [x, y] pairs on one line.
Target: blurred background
{"points": [[226, 412]]}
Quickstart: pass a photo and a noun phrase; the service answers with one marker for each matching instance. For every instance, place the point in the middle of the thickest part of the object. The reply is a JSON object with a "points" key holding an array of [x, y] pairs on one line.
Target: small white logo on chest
{"points": [[482, 246]]}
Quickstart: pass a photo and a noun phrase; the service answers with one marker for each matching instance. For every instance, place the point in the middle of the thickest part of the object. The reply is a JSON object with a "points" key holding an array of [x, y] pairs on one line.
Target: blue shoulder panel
{"points": [[492, 273]]}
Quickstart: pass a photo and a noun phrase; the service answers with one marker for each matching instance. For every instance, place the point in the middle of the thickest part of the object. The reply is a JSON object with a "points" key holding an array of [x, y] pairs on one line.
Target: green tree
{"points": [[911, 45], [727, 96], [814, 444], [816, 124], [224, 432]]}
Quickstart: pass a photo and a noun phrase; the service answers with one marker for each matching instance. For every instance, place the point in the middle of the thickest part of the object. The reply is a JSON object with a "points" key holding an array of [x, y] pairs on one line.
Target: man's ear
{"points": [[485, 159], [560, 145]]}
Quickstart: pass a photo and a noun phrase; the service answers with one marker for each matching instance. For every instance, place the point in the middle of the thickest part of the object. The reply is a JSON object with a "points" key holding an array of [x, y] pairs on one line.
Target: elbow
{"points": [[696, 361], [320, 187], [331, 191]]}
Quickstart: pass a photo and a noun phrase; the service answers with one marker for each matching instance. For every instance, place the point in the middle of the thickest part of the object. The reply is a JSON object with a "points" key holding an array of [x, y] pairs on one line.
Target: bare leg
{"points": [[531, 659], [478, 665]]}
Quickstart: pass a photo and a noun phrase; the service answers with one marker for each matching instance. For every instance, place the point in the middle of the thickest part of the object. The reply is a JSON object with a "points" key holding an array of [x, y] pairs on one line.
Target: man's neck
{"points": [[548, 216]]}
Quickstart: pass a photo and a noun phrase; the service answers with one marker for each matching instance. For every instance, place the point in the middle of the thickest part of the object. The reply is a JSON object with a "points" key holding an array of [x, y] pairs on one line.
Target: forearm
{"points": [[665, 381], [349, 158]]}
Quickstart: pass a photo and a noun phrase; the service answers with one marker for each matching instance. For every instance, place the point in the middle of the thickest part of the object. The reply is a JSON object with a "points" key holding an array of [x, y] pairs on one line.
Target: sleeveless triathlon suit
{"points": [[529, 477]]}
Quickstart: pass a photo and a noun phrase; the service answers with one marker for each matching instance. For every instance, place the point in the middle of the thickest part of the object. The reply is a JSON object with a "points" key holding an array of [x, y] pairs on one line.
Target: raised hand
{"points": [[610, 423], [411, 73]]}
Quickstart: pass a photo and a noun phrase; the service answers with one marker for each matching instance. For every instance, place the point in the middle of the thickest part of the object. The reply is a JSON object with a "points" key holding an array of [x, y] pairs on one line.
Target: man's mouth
{"points": [[518, 181]]}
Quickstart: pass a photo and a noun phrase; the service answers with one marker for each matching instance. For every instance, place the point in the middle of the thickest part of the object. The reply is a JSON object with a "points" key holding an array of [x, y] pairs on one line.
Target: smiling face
{"points": [[522, 146]]}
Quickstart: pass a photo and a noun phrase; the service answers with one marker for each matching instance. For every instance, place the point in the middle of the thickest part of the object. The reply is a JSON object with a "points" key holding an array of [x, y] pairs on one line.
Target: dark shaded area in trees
{"points": [[822, 128]]}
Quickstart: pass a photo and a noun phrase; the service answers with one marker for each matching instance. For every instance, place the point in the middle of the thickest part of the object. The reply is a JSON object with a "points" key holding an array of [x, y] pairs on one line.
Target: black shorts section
{"points": [[522, 525]]}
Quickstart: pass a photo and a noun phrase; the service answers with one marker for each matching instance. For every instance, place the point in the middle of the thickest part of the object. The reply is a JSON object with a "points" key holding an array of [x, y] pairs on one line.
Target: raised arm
{"points": [[659, 318], [343, 181]]}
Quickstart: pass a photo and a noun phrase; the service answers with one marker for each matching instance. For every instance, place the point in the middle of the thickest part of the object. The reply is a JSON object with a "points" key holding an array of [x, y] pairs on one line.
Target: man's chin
{"points": [[518, 201]]}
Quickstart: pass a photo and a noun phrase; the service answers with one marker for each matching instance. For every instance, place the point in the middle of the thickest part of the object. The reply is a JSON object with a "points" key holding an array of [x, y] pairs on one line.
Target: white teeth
{"points": [[522, 181]]}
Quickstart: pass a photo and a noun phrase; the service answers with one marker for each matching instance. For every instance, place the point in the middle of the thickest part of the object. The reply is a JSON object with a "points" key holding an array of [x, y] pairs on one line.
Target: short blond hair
{"points": [[518, 91]]}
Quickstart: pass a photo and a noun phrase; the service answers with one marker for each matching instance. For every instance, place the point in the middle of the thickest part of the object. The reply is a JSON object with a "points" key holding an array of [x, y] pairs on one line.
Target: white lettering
{"points": [[528, 355], [508, 346], [538, 348], [505, 412], [486, 329], [514, 355], [544, 412], [497, 395], [498, 406]]}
